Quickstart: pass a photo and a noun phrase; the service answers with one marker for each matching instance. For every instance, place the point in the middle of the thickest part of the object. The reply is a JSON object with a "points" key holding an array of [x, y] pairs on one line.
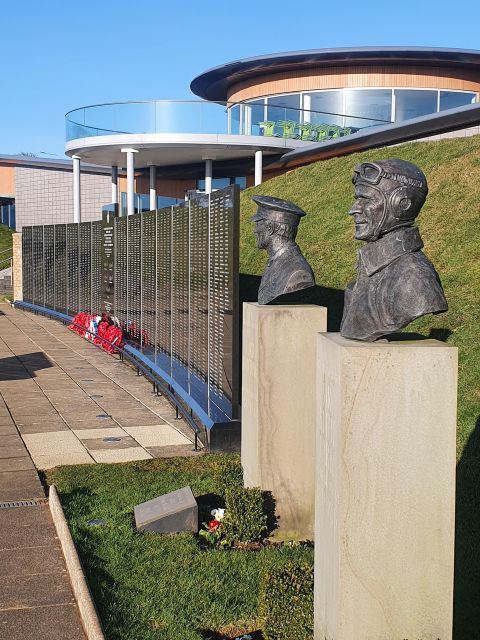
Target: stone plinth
{"points": [[385, 489], [17, 276], [278, 409]]}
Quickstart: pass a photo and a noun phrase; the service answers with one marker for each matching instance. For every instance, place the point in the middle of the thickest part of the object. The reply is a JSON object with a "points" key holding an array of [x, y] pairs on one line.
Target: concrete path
{"points": [[36, 599], [72, 403], [62, 401]]}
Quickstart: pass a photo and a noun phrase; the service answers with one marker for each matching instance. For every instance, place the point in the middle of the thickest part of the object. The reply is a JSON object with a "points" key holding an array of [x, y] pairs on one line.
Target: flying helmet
{"points": [[403, 187]]}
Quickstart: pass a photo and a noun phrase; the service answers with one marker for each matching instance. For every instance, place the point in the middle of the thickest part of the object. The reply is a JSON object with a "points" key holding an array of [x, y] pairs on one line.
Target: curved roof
{"points": [[214, 83]]}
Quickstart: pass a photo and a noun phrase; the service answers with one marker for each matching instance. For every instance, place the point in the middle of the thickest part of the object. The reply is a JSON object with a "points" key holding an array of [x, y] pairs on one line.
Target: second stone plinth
{"points": [[278, 409], [385, 503]]}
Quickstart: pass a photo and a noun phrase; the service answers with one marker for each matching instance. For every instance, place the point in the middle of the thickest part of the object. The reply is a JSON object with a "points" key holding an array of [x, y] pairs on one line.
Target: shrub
{"points": [[245, 520], [286, 602], [228, 474]]}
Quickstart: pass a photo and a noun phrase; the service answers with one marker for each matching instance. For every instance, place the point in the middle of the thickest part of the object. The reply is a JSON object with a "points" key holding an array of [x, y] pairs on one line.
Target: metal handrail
{"points": [[7, 249]]}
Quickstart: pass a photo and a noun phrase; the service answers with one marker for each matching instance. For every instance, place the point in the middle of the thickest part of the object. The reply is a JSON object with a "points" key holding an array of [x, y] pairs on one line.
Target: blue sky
{"points": [[57, 55]]}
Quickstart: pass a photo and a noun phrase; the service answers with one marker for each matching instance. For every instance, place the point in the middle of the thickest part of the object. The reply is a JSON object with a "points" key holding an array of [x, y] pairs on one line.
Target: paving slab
{"points": [[57, 441], [52, 460], [20, 592], [7, 428], [120, 455], [20, 485], [31, 561], [112, 432], [80, 425], [97, 444], [157, 436], [141, 421], [14, 450], [172, 451], [48, 623], [16, 464], [24, 527], [44, 426]]}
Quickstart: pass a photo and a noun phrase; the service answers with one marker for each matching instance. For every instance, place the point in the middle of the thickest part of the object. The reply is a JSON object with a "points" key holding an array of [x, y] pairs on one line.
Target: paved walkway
{"points": [[74, 404], [62, 401], [36, 599]]}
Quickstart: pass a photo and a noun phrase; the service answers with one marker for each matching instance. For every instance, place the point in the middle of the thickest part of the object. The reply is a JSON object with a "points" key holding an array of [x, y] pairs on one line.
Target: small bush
{"points": [[286, 602], [245, 520], [228, 474]]}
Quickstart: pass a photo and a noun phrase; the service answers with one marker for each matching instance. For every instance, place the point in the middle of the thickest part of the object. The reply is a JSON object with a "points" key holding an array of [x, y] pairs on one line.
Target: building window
{"points": [[253, 115], [323, 107], [412, 103], [235, 119], [325, 114], [367, 107], [452, 99], [284, 109]]}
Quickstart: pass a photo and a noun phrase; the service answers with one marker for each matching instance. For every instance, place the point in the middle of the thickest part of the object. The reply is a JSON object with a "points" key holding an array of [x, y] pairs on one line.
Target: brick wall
{"points": [[45, 196]]}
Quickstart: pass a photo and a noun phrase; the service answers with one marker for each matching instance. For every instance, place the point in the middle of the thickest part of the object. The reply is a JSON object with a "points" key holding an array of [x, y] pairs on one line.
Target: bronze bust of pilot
{"points": [[276, 228], [396, 282]]}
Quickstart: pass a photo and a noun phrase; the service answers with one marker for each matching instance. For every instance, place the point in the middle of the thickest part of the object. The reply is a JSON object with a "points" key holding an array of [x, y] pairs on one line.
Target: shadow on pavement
{"points": [[24, 366]]}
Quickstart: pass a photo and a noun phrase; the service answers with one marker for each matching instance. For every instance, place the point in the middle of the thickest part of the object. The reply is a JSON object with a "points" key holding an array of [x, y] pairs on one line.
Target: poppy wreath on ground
{"points": [[94, 328], [114, 336], [80, 323]]}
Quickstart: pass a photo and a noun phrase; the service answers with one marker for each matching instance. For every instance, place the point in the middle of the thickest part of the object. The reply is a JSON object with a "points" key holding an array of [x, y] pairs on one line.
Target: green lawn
{"points": [[160, 586], [5, 243]]}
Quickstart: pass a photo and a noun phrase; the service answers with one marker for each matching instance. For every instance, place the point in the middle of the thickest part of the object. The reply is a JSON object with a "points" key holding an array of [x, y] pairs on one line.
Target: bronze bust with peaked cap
{"points": [[396, 282], [276, 228]]}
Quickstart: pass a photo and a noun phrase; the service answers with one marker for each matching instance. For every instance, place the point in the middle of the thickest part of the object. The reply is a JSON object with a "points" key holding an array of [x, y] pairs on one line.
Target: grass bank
{"points": [[450, 226], [5, 239], [162, 587]]}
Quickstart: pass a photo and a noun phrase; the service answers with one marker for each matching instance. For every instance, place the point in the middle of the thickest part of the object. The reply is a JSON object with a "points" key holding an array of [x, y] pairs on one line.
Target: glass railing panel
{"points": [[135, 117]]}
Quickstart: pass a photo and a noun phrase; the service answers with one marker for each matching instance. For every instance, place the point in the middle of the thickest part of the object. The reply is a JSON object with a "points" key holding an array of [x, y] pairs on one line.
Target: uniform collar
{"points": [[279, 252], [379, 254]]}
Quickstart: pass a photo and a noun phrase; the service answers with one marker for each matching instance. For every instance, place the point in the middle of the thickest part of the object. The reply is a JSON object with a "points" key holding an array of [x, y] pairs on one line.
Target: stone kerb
{"points": [[17, 273], [385, 489], [278, 409]]}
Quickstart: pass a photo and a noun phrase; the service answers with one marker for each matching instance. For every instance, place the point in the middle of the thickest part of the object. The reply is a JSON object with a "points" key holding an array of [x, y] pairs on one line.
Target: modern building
{"points": [[251, 118], [255, 110]]}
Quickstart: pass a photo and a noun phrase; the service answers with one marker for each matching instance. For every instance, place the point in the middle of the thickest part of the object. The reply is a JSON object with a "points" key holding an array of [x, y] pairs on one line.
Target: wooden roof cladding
{"points": [[355, 76]]}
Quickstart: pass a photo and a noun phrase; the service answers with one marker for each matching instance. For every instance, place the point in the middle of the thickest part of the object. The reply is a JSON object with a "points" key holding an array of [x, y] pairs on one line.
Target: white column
{"points": [[76, 189], [130, 180], [307, 105], [153, 188], [115, 185], [208, 176], [258, 167]]}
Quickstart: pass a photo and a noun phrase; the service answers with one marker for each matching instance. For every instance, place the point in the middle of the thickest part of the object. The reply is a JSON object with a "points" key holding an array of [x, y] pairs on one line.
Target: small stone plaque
{"points": [[171, 513]]}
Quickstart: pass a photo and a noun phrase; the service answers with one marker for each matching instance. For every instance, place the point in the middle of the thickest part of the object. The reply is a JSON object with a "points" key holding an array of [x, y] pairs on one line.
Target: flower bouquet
{"points": [[212, 530]]}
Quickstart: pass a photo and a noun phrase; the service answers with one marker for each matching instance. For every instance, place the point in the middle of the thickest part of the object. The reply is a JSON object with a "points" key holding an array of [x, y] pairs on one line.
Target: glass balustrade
{"points": [[311, 116], [279, 119]]}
